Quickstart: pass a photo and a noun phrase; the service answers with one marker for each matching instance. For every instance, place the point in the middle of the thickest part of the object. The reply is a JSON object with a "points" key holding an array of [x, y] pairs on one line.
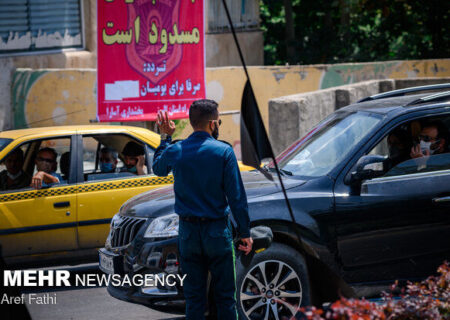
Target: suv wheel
{"points": [[274, 285]]}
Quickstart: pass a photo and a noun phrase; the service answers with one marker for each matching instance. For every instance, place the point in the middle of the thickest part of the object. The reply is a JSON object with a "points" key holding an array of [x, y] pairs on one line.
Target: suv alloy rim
{"points": [[271, 290]]}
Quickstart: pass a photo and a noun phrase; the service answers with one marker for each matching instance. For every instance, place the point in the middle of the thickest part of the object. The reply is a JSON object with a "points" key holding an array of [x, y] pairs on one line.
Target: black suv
{"points": [[366, 213]]}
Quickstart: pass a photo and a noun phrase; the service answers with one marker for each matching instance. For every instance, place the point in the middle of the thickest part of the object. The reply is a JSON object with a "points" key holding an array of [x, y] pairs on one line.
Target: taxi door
{"points": [[100, 196], [41, 221]]}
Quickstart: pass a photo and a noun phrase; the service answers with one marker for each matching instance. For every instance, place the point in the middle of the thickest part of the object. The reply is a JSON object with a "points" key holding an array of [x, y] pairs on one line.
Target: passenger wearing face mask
{"points": [[134, 158], [13, 177], [432, 140], [46, 167], [108, 160]]}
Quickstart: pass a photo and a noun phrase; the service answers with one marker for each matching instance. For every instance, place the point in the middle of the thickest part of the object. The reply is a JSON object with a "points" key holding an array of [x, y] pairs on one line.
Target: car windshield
{"points": [[4, 142], [328, 144]]}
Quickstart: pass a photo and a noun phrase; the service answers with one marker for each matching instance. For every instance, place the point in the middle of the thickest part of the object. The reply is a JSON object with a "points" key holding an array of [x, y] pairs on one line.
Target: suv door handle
{"points": [[63, 204], [441, 200]]}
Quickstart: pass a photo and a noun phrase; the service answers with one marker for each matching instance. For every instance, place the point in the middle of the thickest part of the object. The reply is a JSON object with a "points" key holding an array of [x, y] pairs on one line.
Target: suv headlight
{"points": [[163, 227], [115, 222]]}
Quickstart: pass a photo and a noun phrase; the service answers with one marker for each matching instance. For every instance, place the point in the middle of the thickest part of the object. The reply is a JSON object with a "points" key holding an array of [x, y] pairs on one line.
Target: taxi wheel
{"points": [[274, 286]]}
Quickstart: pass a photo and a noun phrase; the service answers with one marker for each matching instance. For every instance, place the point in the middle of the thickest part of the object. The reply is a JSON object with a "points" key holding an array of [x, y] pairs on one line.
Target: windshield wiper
{"points": [[272, 169]]}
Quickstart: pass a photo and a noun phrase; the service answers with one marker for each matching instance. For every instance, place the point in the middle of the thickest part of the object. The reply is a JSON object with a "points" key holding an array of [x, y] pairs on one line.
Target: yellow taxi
{"points": [[67, 221]]}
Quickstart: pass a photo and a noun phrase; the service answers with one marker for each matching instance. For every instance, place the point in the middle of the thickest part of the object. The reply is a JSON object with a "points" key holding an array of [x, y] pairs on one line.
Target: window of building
{"points": [[39, 25], [244, 14]]}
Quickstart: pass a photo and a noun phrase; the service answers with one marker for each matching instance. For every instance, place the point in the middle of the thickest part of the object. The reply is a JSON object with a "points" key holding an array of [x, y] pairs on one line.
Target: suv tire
{"points": [[281, 292]]}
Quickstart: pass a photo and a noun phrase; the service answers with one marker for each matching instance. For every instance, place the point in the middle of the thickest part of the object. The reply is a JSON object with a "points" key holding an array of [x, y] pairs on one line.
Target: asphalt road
{"points": [[85, 302]]}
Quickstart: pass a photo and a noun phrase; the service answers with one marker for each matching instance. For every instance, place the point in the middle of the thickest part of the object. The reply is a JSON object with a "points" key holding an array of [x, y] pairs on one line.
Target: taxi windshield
{"points": [[4, 142], [328, 144]]}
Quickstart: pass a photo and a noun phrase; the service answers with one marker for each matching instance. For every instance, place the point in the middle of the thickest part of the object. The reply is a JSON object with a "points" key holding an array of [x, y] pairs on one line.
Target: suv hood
{"points": [[155, 203]]}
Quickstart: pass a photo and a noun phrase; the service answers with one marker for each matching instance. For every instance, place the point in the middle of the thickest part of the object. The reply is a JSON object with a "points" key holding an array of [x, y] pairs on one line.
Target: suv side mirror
{"points": [[368, 167]]}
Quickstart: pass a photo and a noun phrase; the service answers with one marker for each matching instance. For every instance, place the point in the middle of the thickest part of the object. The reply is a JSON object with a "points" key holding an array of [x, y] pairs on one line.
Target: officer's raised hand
{"points": [[246, 245], [165, 125]]}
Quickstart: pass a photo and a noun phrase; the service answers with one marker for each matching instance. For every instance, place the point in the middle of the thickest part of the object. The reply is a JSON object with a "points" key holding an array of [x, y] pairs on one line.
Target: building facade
{"points": [[43, 34]]}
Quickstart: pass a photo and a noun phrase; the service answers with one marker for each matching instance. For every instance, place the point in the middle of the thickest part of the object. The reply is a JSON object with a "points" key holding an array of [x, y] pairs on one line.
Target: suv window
{"points": [[331, 143], [407, 152], [433, 163], [104, 157]]}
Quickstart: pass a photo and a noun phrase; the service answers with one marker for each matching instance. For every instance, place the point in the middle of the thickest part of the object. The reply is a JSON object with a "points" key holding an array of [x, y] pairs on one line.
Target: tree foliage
{"points": [[331, 31]]}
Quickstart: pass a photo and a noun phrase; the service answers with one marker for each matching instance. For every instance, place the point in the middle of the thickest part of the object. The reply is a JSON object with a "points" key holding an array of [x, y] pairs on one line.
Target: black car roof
{"points": [[387, 105]]}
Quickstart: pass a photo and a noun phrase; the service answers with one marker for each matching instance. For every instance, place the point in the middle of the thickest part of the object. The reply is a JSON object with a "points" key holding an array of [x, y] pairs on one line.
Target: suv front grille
{"points": [[125, 231]]}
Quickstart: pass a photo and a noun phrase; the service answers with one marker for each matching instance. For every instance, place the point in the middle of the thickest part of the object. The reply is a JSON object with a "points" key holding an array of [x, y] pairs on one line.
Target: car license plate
{"points": [[106, 263]]}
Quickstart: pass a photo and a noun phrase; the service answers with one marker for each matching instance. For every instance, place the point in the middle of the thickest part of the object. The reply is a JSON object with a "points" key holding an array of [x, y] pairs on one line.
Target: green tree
{"points": [[320, 31]]}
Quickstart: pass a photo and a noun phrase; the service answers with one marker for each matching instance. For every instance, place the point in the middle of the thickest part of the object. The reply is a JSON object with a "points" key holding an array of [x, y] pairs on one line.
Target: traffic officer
{"points": [[207, 184]]}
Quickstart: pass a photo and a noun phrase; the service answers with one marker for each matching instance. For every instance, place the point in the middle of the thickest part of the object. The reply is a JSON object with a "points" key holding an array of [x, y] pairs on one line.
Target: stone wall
{"points": [[48, 97]]}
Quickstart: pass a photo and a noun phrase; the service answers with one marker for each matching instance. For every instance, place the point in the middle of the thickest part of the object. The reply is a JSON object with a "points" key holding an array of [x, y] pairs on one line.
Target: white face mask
{"points": [[14, 176], [426, 146]]}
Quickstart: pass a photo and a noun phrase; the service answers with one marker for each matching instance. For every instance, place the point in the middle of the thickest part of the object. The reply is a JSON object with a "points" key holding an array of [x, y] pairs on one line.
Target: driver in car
{"points": [[433, 140], [46, 167]]}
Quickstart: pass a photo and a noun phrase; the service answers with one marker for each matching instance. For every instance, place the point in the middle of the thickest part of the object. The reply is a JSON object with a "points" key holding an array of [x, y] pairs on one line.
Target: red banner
{"points": [[151, 56]]}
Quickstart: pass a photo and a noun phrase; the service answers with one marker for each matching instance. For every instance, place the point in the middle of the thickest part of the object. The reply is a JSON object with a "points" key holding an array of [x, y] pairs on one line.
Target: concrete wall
{"points": [[221, 49], [48, 97], [226, 85], [292, 117]]}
